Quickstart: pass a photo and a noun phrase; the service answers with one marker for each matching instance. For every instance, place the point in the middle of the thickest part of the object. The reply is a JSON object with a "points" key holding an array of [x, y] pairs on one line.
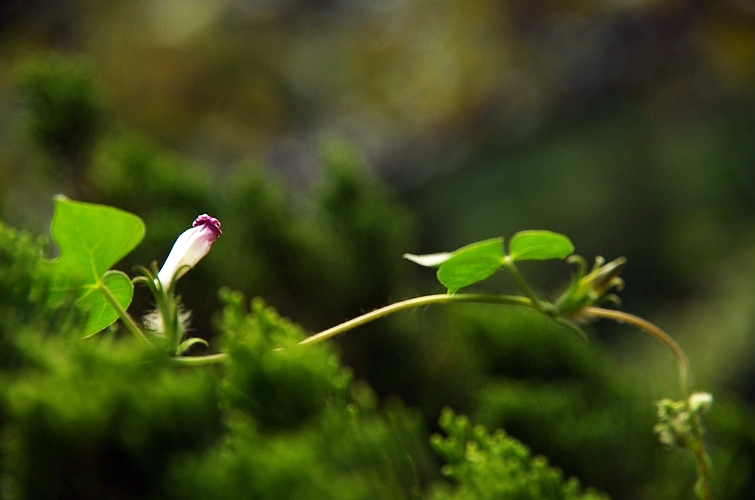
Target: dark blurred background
{"points": [[332, 136]]}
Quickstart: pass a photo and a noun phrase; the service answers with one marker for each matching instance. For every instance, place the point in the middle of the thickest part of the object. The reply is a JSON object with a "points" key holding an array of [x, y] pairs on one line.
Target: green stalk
{"points": [[199, 360], [647, 326], [372, 316], [418, 302], [702, 487], [124, 315], [523, 286]]}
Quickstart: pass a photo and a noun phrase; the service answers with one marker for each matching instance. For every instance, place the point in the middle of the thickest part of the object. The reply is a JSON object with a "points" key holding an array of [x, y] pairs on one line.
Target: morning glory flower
{"points": [[189, 248]]}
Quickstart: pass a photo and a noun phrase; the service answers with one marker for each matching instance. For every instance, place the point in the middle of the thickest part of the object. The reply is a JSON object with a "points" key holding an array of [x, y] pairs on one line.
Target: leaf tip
{"points": [[428, 260]]}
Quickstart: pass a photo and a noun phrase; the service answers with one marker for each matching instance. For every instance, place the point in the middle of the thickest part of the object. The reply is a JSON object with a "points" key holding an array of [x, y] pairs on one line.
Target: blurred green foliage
{"points": [[24, 299], [65, 109], [297, 427], [489, 466], [101, 419], [276, 245], [667, 168], [106, 418]]}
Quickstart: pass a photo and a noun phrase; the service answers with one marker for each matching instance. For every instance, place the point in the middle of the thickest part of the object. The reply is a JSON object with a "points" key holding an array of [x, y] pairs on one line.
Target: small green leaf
{"points": [[471, 264], [186, 344], [539, 245], [92, 238], [101, 312], [428, 260]]}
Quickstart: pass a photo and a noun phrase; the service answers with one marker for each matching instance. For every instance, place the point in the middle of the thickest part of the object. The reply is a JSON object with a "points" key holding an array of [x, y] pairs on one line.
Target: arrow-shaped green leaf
{"points": [[92, 238]]}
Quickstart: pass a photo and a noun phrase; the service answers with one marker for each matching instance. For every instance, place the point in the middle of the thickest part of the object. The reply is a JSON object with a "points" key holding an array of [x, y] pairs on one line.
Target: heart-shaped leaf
{"points": [[101, 312], [92, 238], [539, 245], [471, 264]]}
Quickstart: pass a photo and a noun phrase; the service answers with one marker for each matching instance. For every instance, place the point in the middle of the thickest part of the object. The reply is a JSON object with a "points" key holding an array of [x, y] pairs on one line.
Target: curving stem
{"points": [[124, 315], [647, 326], [417, 302]]}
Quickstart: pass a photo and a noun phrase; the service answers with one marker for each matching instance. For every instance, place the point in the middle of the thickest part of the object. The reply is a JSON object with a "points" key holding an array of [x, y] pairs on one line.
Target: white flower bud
{"points": [[189, 248]]}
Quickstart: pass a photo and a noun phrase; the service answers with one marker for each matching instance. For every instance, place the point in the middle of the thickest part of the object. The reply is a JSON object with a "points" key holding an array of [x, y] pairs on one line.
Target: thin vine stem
{"points": [[372, 316], [597, 312], [418, 302], [124, 315], [702, 489], [623, 317], [210, 359], [508, 263]]}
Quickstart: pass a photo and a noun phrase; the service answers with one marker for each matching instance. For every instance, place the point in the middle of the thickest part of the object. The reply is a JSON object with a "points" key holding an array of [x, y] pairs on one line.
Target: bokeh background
{"points": [[332, 136]]}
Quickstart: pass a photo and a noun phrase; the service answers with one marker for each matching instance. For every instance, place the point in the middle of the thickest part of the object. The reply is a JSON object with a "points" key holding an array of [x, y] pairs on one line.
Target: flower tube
{"points": [[189, 248]]}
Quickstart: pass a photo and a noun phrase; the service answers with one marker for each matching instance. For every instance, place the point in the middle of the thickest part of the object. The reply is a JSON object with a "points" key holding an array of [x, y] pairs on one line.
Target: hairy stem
{"points": [[418, 302], [622, 317]]}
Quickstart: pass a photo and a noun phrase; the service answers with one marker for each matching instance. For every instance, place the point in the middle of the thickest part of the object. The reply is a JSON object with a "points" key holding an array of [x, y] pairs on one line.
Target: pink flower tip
{"points": [[210, 223]]}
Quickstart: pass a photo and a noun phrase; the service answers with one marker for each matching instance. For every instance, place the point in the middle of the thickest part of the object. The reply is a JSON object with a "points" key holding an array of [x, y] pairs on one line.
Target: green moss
{"points": [[100, 418], [496, 466], [65, 107]]}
